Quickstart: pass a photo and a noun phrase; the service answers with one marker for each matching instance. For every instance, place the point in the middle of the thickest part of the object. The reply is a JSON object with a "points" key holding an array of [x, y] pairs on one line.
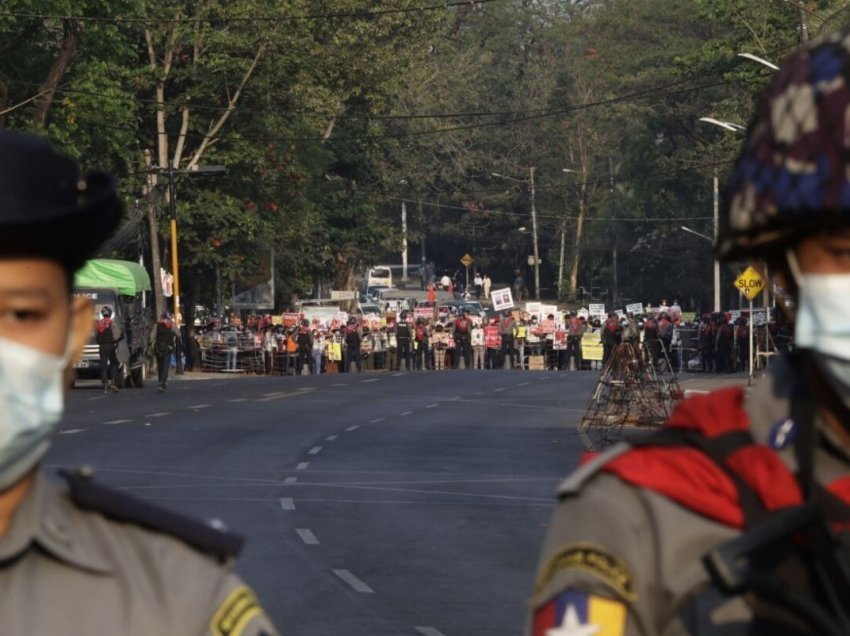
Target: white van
{"points": [[379, 276]]}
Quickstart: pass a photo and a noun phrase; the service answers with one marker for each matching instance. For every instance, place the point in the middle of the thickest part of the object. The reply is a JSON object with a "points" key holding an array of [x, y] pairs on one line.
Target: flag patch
{"points": [[575, 613]]}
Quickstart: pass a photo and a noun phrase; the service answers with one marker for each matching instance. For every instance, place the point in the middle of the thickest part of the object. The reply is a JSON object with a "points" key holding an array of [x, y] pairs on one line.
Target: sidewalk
{"points": [[705, 382]]}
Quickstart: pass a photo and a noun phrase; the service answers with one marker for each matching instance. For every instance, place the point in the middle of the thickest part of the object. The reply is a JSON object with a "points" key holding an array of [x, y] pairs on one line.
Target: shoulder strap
{"points": [[118, 506], [718, 448]]}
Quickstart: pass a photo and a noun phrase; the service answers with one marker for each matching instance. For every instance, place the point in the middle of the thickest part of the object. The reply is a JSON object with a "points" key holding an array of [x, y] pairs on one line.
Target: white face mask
{"points": [[32, 399]]}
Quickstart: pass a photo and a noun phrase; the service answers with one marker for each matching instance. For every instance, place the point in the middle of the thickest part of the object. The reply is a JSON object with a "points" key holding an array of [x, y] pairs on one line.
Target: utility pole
{"points": [[534, 230], [716, 217], [616, 294], [156, 265], [172, 204], [804, 25]]}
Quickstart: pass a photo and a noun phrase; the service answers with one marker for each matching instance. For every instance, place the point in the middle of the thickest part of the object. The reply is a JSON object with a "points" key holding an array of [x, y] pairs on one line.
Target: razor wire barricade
{"points": [[637, 388], [232, 352]]}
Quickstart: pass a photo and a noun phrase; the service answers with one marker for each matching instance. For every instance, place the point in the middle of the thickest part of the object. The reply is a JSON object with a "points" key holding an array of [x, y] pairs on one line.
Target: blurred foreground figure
{"points": [[735, 518], [78, 558]]}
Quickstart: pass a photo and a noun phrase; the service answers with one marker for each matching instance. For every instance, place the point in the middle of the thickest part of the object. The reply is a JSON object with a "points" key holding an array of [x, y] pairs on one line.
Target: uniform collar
{"points": [[48, 519], [768, 405]]}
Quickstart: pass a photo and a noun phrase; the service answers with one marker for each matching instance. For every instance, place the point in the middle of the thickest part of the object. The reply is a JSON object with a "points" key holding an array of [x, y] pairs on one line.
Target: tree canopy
{"points": [[330, 115]]}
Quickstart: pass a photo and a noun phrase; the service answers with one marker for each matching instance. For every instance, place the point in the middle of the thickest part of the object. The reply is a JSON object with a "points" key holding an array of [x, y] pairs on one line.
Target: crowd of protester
{"points": [[713, 343]]}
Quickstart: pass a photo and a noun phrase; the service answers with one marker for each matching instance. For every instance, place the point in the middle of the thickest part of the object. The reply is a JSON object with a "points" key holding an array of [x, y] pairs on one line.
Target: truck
{"points": [[125, 286]]}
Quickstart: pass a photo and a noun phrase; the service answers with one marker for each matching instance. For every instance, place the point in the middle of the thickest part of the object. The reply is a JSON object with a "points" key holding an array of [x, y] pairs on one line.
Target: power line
{"points": [[248, 20]]}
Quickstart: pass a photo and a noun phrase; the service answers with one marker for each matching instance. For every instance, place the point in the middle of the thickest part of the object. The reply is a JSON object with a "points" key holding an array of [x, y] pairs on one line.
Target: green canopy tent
{"points": [[127, 277]]}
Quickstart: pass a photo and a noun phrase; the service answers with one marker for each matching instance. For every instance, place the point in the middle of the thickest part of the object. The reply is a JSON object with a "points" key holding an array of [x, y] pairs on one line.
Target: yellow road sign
{"points": [[467, 260], [750, 283]]}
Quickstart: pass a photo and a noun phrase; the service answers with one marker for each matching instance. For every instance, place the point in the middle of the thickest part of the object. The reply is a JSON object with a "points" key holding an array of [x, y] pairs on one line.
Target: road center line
{"points": [[71, 431], [307, 536], [406, 413], [380, 419], [432, 406], [523, 384], [118, 421], [289, 481], [429, 631], [499, 389], [352, 428], [330, 438], [238, 400], [302, 466], [287, 503], [163, 414], [200, 406], [370, 380], [354, 582], [315, 450]]}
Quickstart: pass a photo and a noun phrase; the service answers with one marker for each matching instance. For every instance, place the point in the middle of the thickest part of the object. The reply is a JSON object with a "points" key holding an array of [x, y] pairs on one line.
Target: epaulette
{"points": [[119, 506], [581, 475]]}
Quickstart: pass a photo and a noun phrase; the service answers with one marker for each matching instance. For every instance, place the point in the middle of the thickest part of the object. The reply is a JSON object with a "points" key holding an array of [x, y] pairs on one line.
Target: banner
{"points": [[502, 299], [634, 308], [426, 313], [290, 319], [597, 310], [591, 346]]}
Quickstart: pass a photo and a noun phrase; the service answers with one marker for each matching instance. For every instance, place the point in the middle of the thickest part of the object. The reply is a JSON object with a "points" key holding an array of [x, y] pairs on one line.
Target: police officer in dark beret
{"points": [[79, 558]]}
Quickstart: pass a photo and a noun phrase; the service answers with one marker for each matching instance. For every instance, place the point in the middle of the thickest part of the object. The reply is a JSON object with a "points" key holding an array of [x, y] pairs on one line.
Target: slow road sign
{"points": [[750, 283]]}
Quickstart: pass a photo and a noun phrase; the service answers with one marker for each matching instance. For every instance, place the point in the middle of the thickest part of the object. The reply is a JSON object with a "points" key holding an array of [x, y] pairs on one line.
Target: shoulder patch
{"points": [[574, 613], [594, 560], [581, 475], [234, 614], [89, 495]]}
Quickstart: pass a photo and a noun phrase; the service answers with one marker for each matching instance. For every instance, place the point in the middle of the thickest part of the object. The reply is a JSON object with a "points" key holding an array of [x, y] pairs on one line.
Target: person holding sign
{"points": [[733, 518]]}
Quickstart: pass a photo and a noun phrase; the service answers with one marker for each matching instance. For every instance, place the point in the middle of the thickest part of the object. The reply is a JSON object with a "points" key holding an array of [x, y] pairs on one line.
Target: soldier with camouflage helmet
{"points": [[735, 517], [79, 558]]}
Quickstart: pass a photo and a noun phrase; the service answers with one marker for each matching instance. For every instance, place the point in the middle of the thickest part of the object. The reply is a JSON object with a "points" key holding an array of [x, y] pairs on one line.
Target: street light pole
{"points": [[534, 237], [404, 243], [716, 216]]}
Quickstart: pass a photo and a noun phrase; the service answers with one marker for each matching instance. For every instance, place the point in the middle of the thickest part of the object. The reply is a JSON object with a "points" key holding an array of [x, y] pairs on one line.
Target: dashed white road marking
{"points": [[454, 398], [499, 389], [290, 480], [315, 450], [352, 428], [71, 431], [287, 503], [340, 384], [302, 466], [200, 406], [99, 397], [432, 406], [429, 631], [307, 536], [163, 414], [354, 582], [406, 413], [370, 380], [397, 375], [330, 438], [380, 419], [118, 421], [523, 384], [238, 400]]}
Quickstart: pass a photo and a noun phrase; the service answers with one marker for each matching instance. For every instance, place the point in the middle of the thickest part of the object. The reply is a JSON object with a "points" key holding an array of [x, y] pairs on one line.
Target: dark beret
{"points": [[47, 209]]}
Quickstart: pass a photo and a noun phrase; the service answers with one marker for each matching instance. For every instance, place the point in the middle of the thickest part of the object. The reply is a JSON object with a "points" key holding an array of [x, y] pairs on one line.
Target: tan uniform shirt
{"points": [[611, 541], [67, 571]]}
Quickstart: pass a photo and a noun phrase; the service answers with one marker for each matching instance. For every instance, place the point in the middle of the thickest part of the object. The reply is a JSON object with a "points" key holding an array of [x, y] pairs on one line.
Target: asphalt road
{"points": [[373, 504]]}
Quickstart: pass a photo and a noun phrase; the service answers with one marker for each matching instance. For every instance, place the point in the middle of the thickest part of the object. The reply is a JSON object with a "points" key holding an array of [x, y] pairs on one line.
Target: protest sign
{"points": [[291, 319], [597, 310], [634, 308], [591, 346], [502, 299], [559, 340], [688, 316], [426, 313], [534, 309], [551, 310], [583, 313]]}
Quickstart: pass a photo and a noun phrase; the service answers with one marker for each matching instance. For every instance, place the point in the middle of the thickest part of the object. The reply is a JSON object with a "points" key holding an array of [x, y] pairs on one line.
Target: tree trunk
{"points": [[71, 29], [344, 279]]}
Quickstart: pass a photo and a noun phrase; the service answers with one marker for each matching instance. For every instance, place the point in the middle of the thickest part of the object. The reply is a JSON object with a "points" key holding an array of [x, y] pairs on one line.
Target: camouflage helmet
{"points": [[793, 175]]}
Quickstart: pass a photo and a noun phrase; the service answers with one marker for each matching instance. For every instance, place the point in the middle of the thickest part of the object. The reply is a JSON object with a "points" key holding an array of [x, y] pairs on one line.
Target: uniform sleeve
{"points": [[597, 567], [237, 612]]}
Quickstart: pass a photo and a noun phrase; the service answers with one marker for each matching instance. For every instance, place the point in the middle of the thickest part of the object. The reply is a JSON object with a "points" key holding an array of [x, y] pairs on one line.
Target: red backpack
{"points": [[420, 333]]}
